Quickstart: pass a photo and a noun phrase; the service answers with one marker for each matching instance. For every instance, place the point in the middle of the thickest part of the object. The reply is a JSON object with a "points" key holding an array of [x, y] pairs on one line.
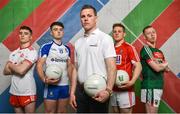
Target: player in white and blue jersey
{"points": [[56, 92]]}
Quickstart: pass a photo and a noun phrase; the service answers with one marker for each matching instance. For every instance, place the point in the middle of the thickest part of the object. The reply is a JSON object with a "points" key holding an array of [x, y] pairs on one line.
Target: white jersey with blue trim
{"points": [[57, 54]]}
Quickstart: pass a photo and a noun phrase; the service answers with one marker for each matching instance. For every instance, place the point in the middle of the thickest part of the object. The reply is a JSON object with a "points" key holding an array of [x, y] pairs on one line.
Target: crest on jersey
{"points": [[118, 59], [61, 51]]}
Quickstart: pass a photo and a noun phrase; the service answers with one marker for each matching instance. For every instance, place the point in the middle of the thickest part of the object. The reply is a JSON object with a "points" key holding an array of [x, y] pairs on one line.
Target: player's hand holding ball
{"points": [[53, 74]]}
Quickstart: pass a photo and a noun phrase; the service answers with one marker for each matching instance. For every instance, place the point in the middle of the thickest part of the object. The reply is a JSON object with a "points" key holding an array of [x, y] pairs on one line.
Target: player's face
{"points": [[118, 33], [57, 32], [25, 36], [150, 35], [88, 19]]}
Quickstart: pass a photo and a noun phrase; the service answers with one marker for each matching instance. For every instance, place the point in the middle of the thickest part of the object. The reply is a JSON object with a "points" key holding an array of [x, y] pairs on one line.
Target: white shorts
{"points": [[151, 96], [123, 99]]}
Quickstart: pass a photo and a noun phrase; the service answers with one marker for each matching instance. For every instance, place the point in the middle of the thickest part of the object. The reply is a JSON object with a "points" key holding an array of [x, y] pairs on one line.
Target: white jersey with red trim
{"points": [[23, 85]]}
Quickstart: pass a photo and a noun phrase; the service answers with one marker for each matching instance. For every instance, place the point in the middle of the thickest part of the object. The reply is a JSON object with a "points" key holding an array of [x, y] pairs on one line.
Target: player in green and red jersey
{"points": [[154, 65]]}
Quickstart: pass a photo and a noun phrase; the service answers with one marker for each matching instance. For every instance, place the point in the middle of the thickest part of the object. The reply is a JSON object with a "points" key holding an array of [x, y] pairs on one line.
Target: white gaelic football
{"points": [[94, 84], [122, 76], [53, 71]]}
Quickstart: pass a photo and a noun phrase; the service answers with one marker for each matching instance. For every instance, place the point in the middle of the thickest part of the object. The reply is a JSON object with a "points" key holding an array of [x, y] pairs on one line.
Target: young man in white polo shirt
{"points": [[95, 53], [20, 66]]}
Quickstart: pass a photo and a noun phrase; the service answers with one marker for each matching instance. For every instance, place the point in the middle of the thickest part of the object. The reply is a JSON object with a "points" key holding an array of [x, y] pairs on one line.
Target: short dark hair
{"points": [[56, 23], [87, 6], [26, 28], [149, 26], [119, 25]]}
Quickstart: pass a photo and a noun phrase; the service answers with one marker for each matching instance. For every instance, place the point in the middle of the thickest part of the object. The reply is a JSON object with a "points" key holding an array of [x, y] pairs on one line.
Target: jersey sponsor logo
{"points": [[93, 45], [118, 59], [58, 60]]}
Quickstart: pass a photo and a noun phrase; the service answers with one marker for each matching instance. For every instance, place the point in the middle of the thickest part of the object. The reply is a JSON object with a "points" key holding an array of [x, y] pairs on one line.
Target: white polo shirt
{"points": [[23, 85], [91, 52]]}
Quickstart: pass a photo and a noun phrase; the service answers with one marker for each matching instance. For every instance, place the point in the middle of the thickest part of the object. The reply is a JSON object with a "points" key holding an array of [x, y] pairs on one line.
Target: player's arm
{"points": [[22, 68], [7, 70], [136, 71], [137, 68], [72, 75], [72, 100], [69, 69], [111, 76], [110, 62], [157, 66], [167, 69], [111, 71], [41, 74], [39, 68]]}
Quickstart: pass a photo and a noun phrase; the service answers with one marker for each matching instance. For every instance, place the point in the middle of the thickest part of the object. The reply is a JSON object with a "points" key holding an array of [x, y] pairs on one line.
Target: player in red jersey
{"points": [[123, 97]]}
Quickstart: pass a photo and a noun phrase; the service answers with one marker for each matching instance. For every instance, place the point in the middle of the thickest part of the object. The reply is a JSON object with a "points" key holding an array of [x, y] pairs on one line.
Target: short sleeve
{"points": [[144, 54], [44, 50], [133, 55], [68, 50], [32, 56], [108, 47]]}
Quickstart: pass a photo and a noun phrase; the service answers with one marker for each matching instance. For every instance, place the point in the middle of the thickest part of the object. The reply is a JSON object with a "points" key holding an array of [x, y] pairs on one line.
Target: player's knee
{"points": [[50, 110], [63, 110]]}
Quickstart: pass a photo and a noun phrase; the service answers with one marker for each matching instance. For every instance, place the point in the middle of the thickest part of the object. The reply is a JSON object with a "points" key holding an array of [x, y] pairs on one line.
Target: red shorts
{"points": [[21, 101]]}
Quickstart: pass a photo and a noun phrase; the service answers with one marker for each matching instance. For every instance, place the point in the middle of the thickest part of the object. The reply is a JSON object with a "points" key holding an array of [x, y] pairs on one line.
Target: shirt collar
{"points": [[57, 43], [92, 33]]}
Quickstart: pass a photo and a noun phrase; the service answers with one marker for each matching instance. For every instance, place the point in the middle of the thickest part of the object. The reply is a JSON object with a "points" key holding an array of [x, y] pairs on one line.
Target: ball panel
{"points": [[94, 84], [122, 76], [53, 71]]}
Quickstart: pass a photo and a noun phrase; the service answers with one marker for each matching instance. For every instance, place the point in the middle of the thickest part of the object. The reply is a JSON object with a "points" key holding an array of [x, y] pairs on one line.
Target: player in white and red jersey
{"points": [[20, 66], [127, 59], [56, 92]]}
